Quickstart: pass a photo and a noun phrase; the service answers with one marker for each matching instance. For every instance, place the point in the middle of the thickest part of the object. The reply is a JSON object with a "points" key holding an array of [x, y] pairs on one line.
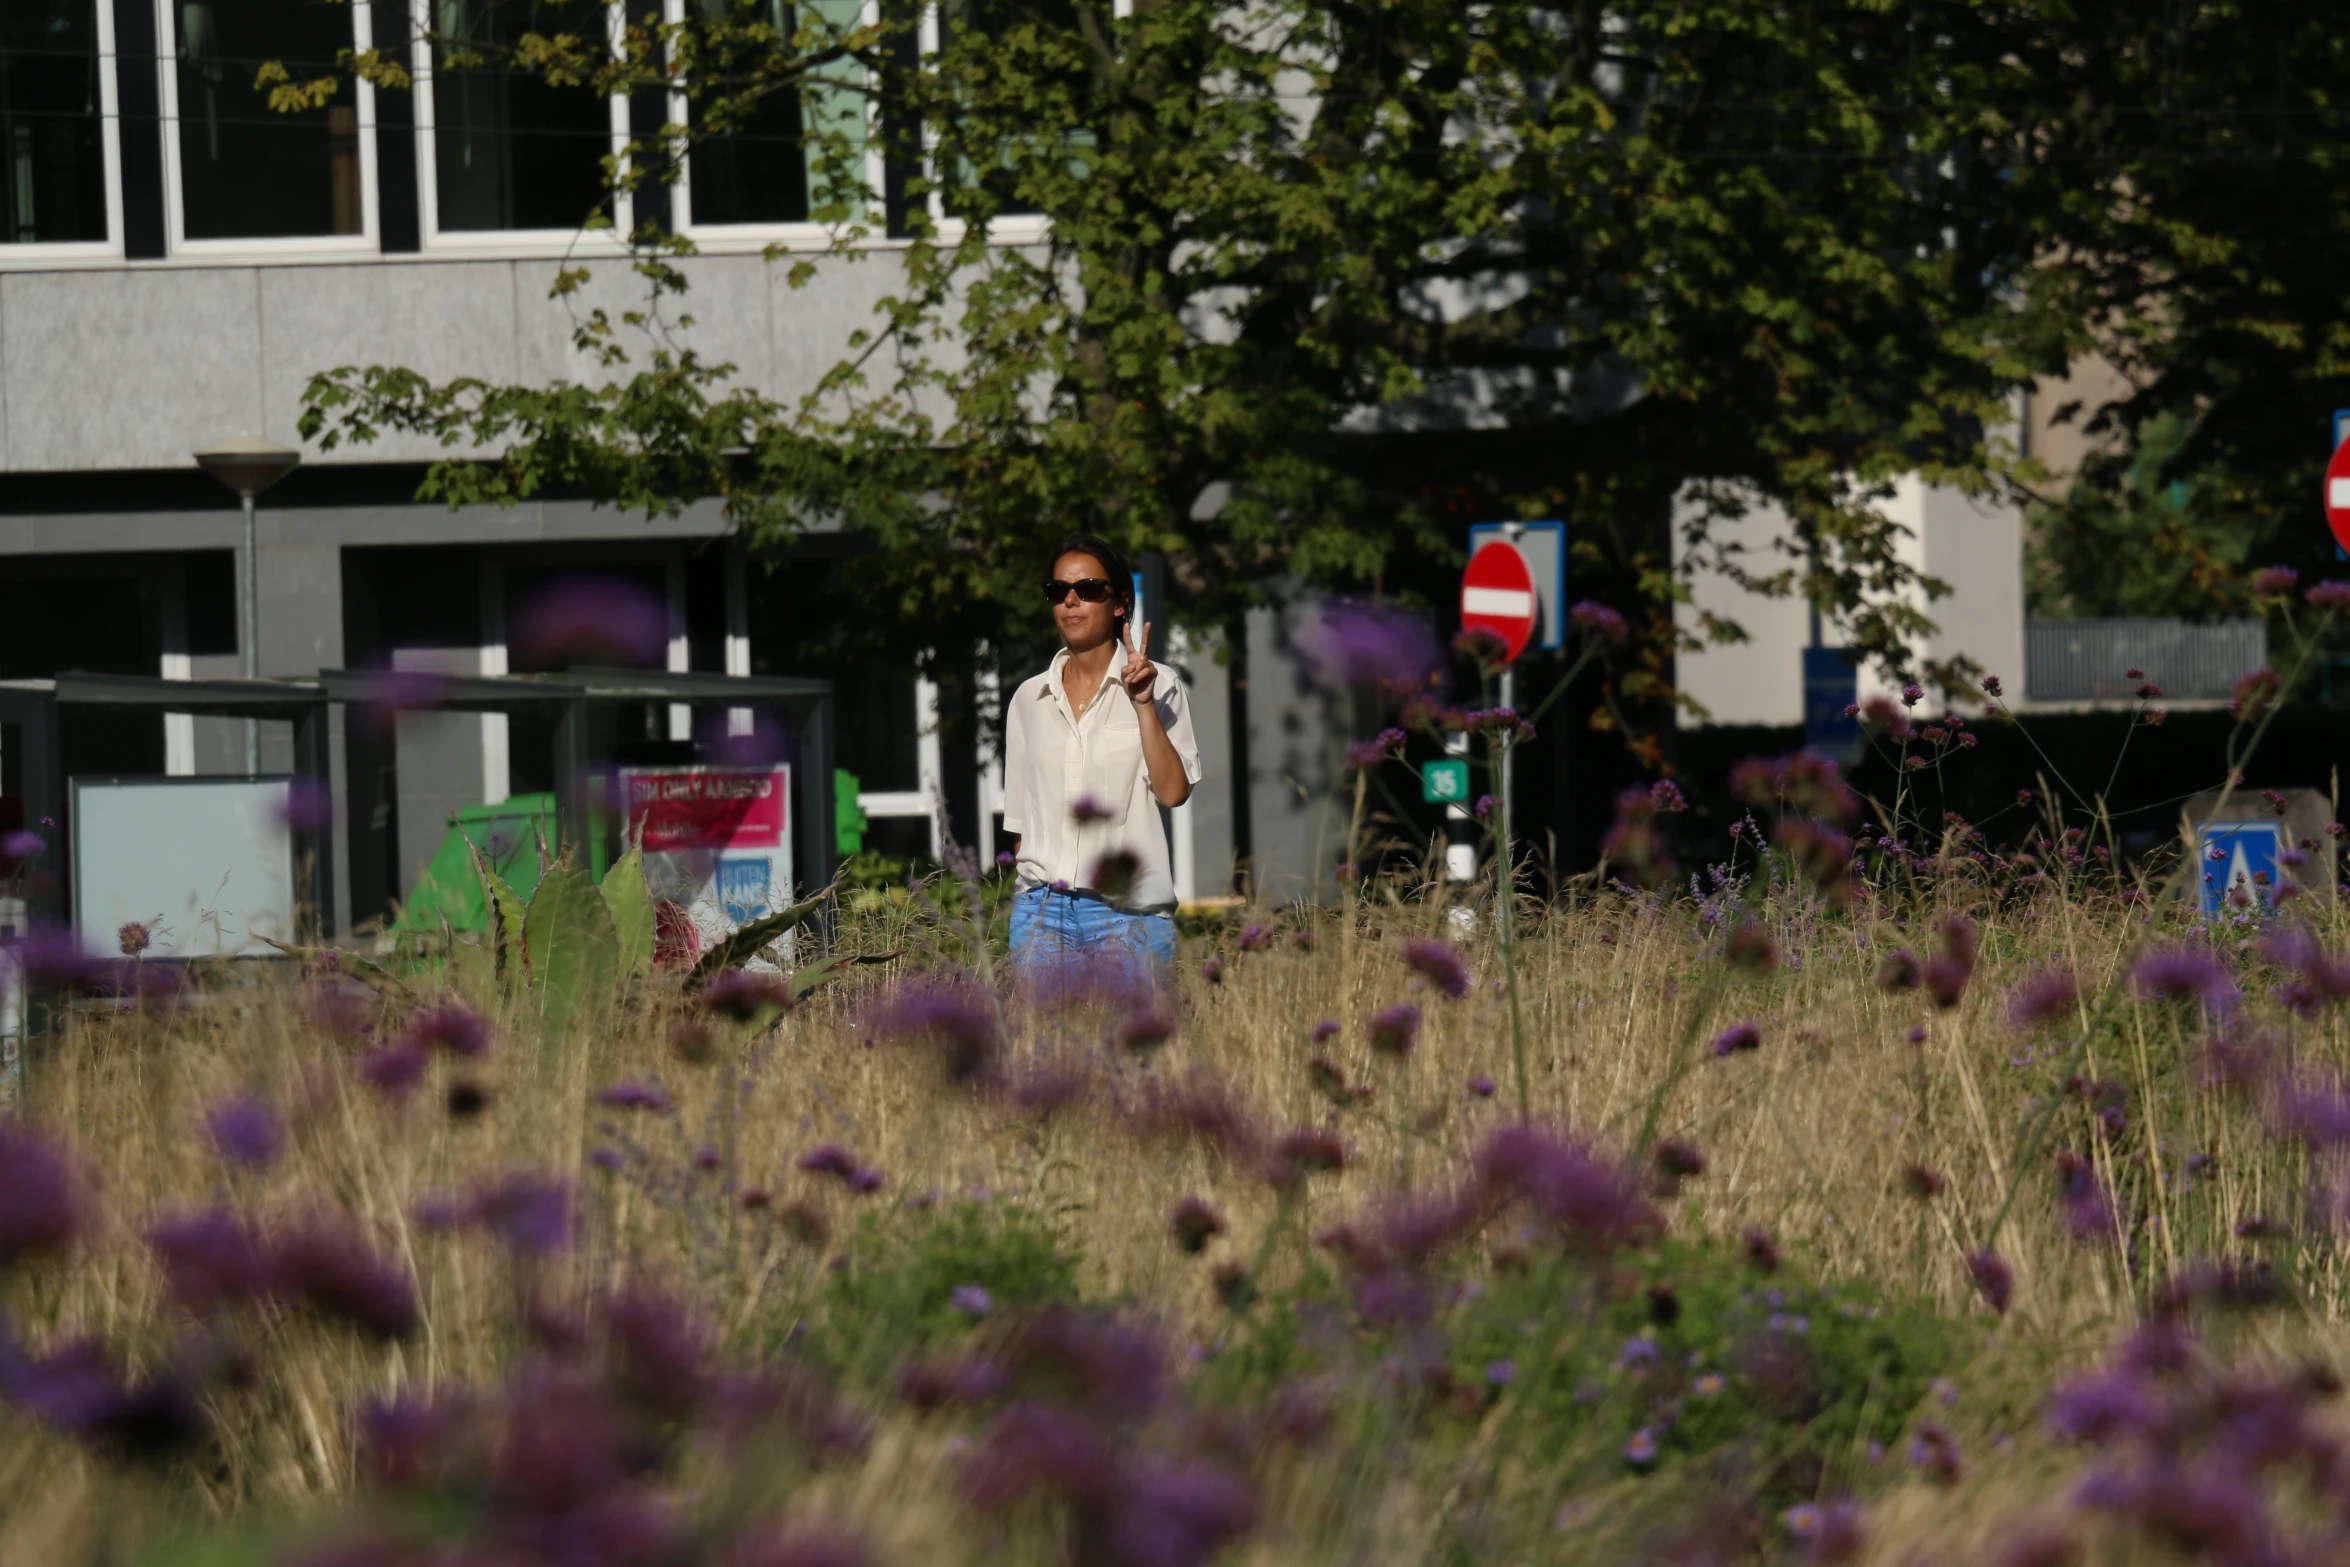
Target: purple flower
{"points": [[392, 1070], [1481, 1086], [1306, 1151], [1440, 962], [1933, 1451], [527, 1213], [1595, 1199], [79, 1391], [1370, 753], [2254, 692], [2184, 974], [1086, 811], [1212, 970], [326, 1265], [1484, 808], [2044, 998], [2088, 1207], [633, 1095], [1991, 685], [1640, 1447], [1501, 1373], [1595, 619], [1369, 644], [246, 1132], [1325, 1030], [46, 1204], [2275, 581], [1255, 938], [19, 848], [1666, 795], [1762, 1253], [1394, 1031], [451, 1029], [2332, 595], [1994, 1279], [971, 1300], [1737, 1037], [956, 1017], [134, 938], [744, 996], [592, 620], [2100, 1407], [211, 1259], [1195, 1224]]}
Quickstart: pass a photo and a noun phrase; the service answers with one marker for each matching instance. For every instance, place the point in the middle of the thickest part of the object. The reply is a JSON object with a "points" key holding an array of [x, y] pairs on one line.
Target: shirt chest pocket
{"points": [[1113, 757]]}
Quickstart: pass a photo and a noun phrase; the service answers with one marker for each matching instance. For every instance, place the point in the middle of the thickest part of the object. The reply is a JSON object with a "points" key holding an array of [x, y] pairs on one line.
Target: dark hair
{"points": [[1114, 564]]}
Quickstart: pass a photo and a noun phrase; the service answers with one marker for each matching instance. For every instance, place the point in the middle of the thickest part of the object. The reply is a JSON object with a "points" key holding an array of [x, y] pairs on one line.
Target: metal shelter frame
{"points": [[30, 707]]}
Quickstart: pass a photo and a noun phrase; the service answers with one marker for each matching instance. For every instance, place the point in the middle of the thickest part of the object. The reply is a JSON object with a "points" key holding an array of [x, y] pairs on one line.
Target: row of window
{"points": [[495, 152]]}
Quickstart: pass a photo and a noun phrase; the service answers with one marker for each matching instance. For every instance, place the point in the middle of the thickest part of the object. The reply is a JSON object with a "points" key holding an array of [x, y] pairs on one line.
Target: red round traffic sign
{"points": [[2338, 494], [1497, 595]]}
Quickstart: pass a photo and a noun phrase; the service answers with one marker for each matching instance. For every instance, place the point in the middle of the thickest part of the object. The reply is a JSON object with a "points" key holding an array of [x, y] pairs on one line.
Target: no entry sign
{"points": [[1497, 595], [2338, 494]]}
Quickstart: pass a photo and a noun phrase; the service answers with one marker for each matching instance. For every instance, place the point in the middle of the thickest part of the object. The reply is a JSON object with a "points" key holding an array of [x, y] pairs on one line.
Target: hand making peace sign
{"points": [[1139, 673]]}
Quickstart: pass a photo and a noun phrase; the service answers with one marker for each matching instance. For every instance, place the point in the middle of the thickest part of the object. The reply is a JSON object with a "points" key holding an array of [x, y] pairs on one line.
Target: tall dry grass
{"points": [[1805, 1138]]}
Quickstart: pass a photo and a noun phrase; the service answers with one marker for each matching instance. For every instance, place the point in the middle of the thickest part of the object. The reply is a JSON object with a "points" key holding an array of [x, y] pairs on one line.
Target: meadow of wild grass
{"points": [[1824, 1194], [1882, 1195]]}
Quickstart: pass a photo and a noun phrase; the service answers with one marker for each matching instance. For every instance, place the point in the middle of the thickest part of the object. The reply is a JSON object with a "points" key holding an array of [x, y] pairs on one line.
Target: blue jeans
{"points": [[1048, 925]]}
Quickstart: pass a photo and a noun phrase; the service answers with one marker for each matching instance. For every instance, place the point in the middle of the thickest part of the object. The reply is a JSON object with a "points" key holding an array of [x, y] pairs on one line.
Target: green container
{"points": [[509, 835]]}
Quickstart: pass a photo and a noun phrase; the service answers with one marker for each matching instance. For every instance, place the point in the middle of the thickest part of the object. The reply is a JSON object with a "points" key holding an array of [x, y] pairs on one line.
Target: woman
{"points": [[1092, 747]]}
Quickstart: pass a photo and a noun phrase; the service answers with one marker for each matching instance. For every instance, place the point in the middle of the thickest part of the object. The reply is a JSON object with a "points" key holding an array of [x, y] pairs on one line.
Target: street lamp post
{"points": [[249, 464]]}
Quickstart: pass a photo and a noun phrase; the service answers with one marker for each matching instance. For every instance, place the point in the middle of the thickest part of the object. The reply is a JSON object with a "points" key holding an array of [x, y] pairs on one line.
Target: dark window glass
{"points": [[248, 171], [757, 172], [510, 150], [50, 123]]}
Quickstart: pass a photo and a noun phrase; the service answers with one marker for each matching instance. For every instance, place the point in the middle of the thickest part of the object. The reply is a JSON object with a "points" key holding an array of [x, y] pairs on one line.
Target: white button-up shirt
{"points": [[1054, 757]]}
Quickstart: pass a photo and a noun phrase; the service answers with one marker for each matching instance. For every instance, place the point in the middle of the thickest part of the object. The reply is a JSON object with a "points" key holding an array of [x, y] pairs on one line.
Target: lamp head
{"points": [[248, 464]]}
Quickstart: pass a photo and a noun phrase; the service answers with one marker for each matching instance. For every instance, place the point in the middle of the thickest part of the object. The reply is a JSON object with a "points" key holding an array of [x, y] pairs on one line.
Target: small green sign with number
{"points": [[1445, 782]]}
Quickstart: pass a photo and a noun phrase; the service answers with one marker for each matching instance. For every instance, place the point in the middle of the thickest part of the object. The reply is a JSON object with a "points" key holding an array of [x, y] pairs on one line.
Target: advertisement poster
{"points": [[717, 848]]}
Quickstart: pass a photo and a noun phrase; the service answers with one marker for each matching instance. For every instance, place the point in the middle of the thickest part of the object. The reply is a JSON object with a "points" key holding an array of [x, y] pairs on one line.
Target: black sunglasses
{"points": [[1091, 590]]}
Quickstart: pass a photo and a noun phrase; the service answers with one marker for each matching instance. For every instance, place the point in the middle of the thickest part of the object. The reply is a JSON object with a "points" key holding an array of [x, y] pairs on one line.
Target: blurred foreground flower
{"points": [[44, 1201], [593, 620], [1369, 644]]}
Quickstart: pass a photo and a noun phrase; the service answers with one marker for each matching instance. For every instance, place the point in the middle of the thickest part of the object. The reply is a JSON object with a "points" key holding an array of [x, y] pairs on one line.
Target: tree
{"points": [[1314, 277]]}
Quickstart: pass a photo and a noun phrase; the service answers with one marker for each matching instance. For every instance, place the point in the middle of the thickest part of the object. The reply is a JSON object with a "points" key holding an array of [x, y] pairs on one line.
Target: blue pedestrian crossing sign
{"points": [[2240, 864]]}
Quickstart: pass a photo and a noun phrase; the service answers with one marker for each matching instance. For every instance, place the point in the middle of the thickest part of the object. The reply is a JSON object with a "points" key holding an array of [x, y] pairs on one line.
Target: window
{"points": [[512, 150], [53, 116], [247, 170], [993, 20], [762, 170]]}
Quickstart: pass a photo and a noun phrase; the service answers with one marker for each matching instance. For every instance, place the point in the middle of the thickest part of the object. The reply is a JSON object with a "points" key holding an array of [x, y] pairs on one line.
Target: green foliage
{"points": [[2136, 538], [506, 911], [746, 942], [574, 950], [896, 1292], [630, 903]]}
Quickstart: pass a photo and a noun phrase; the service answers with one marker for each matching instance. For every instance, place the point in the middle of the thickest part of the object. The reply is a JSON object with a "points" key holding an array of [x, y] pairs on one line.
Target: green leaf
{"points": [[745, 943], [574, 950], [473, 972], [506, 921], [365, 970], [630, 902]]}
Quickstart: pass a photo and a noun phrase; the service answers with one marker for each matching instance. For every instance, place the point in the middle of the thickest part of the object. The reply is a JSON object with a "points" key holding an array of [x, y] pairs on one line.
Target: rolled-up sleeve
{"points": [[1016, 806], [1175, 718]]}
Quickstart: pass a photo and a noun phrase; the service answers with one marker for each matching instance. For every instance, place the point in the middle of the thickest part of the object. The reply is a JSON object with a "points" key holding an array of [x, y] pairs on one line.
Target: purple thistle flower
{"points": [[1212, 970], [1595, 619], [1501, 1373], [1901, 971], [1325, 1030], [592, 620], [2088, 1207], [1666, 796], [134, 938], [865, 1180], [744, 996], [1994, 1279], [2184, 974], [1991, 685], [1146, 1028], [1595, 1199], [1440, 962], [1640, 1447], [1762, 1253], [1375, 644], [829, 1159], [971, 1300], [1481, 1086], [1394, 1031], [245, 1131], [1306, 1151], [1737, 1037], [1933, 1451], [2044, 998], [2275, 581], [1255, 938], [451, 1029], [1483, 809], [2101, 1407], [633, 1095], [2254, 692], [46, 1205], [78, 1390], [392, 1070]]}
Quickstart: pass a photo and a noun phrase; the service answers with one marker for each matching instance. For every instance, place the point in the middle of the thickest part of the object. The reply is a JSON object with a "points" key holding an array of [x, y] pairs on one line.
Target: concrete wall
{"points": [[137, 367], [1974, 546], [1297, 735]]}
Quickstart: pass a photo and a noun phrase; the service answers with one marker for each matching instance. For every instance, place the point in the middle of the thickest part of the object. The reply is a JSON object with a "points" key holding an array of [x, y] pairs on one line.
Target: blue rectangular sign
{"points": [[1830, 685], [2239, 864]]}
